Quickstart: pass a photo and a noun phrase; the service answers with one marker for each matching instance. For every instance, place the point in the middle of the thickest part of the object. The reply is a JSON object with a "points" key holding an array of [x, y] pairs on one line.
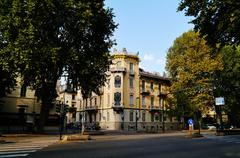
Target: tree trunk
{"points": [[47, 94], [44, 113]]}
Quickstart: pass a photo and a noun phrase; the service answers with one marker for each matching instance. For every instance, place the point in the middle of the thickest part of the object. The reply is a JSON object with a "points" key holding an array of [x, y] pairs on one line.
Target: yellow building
{"points": [[20, 110], [131, 98]]}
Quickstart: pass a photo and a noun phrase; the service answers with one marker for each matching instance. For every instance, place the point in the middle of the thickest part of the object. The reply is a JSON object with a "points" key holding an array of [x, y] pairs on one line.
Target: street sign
{"points": [[219, 101], [190, 122]]}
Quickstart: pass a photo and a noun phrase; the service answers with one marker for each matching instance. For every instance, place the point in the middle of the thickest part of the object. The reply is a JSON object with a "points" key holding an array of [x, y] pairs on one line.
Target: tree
{"points": [[229, 81], [7, 70], [47, 37], [216, 20], [191, 67]]}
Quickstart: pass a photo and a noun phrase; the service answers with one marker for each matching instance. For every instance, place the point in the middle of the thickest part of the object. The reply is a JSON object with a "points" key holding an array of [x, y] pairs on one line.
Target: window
{"points": [[91, 102], [131, 116], [117, 81], [23, 91], [117, 98], [131, 69], [143, 116], [143, 85], [152, 101], [151, 86], [73, 97], [143, 101], [152, 117], [131, 100], [95, 101], [131, 66], [100, 116], [159, 87], [131, 82]]}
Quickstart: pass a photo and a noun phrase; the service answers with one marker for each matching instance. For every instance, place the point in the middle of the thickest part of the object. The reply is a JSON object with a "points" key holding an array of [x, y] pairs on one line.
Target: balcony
{"points": [[117, 107], [162, 94], [118, 69], [91, 108], [153, 108], [145, 92]]}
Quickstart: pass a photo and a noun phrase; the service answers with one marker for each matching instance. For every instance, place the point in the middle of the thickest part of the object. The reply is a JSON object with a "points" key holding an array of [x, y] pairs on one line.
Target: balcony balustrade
{"points": [[91, 108], [118, 69], [117, 107], [153, 108], [162, 94]]}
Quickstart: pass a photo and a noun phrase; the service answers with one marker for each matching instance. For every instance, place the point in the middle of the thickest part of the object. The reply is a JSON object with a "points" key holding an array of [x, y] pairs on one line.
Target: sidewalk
{"points": [[16, 138], [101, 135]]}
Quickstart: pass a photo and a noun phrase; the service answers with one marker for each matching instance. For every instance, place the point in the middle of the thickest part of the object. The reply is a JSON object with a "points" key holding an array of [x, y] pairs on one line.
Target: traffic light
{"points": [[58, 108]]}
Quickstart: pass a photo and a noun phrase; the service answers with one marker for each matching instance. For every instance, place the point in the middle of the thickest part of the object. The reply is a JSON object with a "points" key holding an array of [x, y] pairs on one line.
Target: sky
{"points": [[148, 27]]}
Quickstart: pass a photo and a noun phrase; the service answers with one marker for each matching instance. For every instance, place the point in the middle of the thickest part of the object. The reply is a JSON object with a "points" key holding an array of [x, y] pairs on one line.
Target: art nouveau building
{"points": [[131, 98]]}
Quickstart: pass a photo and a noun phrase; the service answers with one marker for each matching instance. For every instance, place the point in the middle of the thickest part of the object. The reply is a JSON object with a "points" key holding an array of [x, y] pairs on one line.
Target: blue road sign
{"points": [[190, 122]]}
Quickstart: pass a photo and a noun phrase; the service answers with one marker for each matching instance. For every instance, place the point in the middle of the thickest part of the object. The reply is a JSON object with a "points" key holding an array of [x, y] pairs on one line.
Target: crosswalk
{"points": [[24, 148], [225, 139]]}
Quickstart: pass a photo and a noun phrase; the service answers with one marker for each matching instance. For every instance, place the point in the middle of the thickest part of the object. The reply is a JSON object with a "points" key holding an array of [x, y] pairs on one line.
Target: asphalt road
{"points": [[143, 147]]}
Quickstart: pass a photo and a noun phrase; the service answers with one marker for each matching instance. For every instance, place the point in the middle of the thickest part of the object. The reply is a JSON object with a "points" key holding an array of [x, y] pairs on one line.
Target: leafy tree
{"points": [[217, 20], [7, 70], [47, 37], [229, 79], [191, 67]]}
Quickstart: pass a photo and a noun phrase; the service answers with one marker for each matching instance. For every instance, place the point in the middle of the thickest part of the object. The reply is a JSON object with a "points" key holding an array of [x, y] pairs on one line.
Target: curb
{"points": [[76, 137]]}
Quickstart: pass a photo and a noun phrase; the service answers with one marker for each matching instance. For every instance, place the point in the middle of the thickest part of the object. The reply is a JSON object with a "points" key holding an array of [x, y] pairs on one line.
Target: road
{"points": [[145, 146]]}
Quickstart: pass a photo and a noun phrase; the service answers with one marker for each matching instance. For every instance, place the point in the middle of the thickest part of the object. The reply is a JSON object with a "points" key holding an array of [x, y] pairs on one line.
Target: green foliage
{"points": [[229, 82], [46, 37], [217, 20], [191, 67]]}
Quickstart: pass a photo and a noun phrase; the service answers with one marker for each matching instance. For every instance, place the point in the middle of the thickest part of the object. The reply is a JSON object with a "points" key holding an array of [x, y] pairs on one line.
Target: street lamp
{"points": [[163, 112], [137, 109]]}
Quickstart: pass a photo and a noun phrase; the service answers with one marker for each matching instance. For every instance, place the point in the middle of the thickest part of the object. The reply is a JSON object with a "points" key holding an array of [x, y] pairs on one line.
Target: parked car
{"points": [[209, 126]]}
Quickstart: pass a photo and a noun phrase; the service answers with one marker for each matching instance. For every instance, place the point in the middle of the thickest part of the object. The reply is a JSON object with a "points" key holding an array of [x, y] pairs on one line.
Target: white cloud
{"points": [[148, 57], [160, 61]]}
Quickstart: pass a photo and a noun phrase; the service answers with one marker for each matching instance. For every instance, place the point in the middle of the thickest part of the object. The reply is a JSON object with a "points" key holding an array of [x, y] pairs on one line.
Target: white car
{"points": [[211, 127]]}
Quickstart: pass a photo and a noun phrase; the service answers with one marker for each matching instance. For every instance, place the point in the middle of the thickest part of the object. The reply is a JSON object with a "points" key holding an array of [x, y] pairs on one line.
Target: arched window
{"points": [[117, 81]]}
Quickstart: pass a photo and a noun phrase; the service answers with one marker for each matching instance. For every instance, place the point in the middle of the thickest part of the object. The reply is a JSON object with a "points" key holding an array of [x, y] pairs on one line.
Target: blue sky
{"points": [[148, 27]]}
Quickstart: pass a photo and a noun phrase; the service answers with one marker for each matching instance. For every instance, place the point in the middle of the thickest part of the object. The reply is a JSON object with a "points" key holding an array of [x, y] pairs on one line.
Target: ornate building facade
{"points": [[132, 99]]}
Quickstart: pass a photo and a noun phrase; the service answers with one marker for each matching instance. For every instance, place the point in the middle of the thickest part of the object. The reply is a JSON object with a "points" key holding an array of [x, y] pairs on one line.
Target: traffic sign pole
{"points": [[190, 126]]}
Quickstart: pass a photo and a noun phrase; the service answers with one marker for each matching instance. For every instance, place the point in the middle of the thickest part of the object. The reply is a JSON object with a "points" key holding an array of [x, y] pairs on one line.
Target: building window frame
{"points": [[143, 101], [117, 81], [131, 98], [152, 101], [131, 82], [23, 91], [143, 116], [143, 85], [152, 86], [131, 116]]}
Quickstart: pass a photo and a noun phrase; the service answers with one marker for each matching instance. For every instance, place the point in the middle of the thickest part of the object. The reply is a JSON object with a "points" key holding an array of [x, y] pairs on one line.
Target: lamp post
{"points": [[163, 112], [137, 109]]}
